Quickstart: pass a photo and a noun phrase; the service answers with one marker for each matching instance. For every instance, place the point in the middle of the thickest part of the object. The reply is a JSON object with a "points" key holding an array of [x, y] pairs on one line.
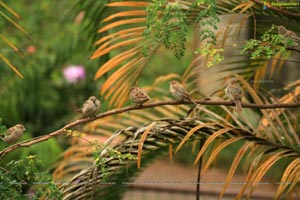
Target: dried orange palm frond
{"points": [[217, 150], [5, 60], [127, 43], [290, 176], [140, 146], [191, 132], [128, 4], [7, 41], [244, 6], [125, 14], [9, 9], [157, 136], [235, 162], [265, 166], [209, 141]]}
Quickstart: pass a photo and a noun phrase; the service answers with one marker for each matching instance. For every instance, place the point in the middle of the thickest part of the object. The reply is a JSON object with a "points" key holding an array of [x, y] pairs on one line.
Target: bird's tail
{"points": [[190, 99], [238, 105], [194, 102]]}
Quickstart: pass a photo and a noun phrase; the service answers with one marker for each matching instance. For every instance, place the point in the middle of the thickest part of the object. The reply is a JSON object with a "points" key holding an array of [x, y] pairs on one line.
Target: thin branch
{"points": [[42, 138], [293, 49], [254, 21], [199, 172]]}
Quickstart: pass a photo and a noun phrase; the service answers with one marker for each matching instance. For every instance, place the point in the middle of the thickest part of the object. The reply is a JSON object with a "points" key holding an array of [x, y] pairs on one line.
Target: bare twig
{"points": [[199, 172], [293, 49], [42, 138]]}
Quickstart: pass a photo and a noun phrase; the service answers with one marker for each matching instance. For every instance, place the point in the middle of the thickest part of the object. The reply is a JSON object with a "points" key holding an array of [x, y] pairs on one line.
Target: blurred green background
{"points": [[44, 100]]}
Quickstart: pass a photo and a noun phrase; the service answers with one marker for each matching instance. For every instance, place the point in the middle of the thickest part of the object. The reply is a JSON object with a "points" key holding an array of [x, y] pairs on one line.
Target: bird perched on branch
{"points": [[90, 107], [13, 134], [288, 33], [138, 95], [179, 93], [234, 91]]}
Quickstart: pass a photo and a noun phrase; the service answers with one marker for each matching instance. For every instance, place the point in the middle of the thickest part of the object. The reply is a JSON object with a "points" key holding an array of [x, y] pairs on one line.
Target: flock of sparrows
{"points": [[233, 90], [138, 96]]}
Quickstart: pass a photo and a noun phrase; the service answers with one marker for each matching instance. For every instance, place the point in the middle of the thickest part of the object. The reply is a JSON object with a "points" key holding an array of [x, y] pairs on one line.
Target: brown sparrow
{"points": [[13, 134], [288, 33], [90, 107], [138, 95], [179, 93], [234, 91]]}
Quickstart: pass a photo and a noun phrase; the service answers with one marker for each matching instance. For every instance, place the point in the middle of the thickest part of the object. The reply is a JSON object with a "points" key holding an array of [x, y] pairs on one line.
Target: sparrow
{"points": [[234, 91], [138, 95], [13, 134], [288, 33], [179, 93], [90, 107]]}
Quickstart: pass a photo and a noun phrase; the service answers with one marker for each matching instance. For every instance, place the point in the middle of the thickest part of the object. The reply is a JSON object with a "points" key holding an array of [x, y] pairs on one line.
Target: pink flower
{"points": [[74, 73], [31, 49]]}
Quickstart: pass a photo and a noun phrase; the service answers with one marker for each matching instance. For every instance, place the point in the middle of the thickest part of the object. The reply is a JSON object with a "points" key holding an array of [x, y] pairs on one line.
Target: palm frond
{"points": [[235, 162], [119, 38], [6, 40], [141, 133], [128, 44], [10, 10], [106, 128], [217, 150], [161, 134], [5, 60], [146, 134]]}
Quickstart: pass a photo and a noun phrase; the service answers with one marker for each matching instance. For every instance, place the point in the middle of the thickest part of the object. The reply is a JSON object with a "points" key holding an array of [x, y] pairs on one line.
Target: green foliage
{"points": [[270, 44], [113, 154], [46, 151], [2, 127], [25, 173], [214, 55], [207, 19], [167, 23]]}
